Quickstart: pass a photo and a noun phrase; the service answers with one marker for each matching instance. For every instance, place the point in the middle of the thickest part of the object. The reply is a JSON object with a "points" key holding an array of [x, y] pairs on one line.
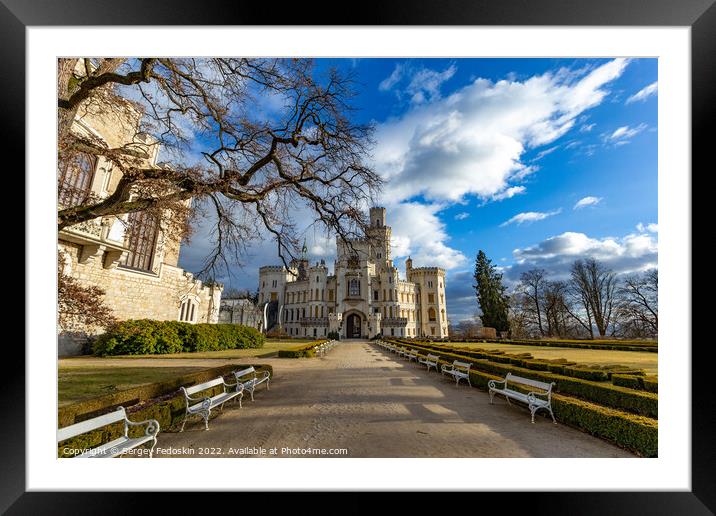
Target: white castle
{"points": [[364, 297]]}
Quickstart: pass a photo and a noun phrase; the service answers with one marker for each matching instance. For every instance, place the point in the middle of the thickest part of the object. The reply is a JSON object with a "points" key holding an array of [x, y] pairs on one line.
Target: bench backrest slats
{"points": [[464, 365], [244, 372], [91, 424], [204, 386], [527, 381], [433, 357]]}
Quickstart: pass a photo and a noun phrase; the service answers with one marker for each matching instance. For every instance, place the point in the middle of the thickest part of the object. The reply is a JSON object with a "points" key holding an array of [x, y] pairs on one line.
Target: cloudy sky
{"points": [[534, 161]]}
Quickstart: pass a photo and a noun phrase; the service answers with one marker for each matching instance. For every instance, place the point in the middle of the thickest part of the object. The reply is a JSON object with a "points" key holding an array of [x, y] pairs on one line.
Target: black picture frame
{"points": [[700, 15]]}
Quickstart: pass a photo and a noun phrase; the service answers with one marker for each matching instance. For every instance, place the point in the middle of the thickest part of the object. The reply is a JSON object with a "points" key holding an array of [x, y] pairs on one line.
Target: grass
{"points": [[84, 377], [646, 361], [269, 349], [77, 383]]}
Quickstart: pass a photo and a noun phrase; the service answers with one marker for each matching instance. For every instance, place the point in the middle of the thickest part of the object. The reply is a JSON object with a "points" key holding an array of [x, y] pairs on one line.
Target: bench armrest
{"points": [[533, 395], [493, 383], [267, 374], [152, 425], [447, 367]]}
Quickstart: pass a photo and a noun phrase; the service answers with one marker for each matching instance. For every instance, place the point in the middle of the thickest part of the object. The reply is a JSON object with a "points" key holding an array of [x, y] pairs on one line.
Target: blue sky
{"points": [[496, 154]]}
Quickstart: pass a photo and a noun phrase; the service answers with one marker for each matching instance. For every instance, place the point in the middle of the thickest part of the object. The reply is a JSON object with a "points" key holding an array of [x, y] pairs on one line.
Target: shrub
{"points": [[629, 381], [303, 351], [147, 337], [651, 383], [334, 335]]}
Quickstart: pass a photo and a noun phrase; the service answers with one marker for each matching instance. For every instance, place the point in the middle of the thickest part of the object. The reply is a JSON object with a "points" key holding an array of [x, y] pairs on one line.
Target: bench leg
{"points": [[492, 397], [267, 384], [151, 450], [552, 414], [205, 415], [186, 414], [532, 411]]}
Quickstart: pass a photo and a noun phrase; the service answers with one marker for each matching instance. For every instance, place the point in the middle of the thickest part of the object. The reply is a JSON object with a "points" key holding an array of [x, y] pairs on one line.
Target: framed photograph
{"points": [[419, 252]]}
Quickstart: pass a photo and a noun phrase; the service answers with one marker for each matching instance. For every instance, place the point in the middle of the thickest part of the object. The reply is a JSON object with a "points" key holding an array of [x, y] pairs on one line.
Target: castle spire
{"points": [[304, 250]]}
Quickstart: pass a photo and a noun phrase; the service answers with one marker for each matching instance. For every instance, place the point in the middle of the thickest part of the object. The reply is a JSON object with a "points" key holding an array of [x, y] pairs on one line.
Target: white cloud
{"points": [[631, 253], [462, 216], [509, 192], [472, 141], [647, 228], [425, 84], [393, 79], [530, 216], [545, 152], [644, 93], [622, 135], [587, 201], [586, 128], [419, 233]]}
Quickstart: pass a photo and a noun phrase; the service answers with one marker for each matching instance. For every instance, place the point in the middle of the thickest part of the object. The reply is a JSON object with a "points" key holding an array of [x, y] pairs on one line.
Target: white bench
{"points": [[429, 361], [412, 355], [250, 384], [458, 370], [202, 405], [535, 400], [118, 446]]}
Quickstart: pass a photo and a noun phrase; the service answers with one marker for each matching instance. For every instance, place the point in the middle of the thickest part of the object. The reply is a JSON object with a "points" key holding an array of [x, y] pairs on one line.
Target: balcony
{"points": [[394, 322], [98, 237], [314, 321]]}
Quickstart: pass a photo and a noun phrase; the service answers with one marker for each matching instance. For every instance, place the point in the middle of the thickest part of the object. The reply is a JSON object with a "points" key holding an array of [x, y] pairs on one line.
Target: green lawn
{"points": [[81, 383], [642, 360], [270, 349]]}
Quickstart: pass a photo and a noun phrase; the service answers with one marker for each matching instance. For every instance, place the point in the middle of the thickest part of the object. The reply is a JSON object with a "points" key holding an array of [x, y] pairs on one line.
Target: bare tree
{"points": [[638, 309], [257, 165], [595, 287], [531, 287]]}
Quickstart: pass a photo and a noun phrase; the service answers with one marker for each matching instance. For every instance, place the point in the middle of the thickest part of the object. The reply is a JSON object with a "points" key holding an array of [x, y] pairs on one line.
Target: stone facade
{"points": [[364, 297], [95, 252], [240, 311]]}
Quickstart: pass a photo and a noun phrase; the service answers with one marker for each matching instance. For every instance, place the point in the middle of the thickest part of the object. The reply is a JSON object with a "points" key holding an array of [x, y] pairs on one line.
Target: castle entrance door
{"points": [[353, 326]]}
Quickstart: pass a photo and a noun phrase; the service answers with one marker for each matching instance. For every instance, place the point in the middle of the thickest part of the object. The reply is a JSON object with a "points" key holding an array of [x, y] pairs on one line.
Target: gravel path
{"points": [[367, 402]]}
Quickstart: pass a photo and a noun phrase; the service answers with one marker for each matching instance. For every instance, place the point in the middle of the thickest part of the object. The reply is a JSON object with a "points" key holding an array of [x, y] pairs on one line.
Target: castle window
{"points": [[431, 314], [143, 230], [431, 298], [330, 294], [187, 312], [354, 287], [318, 279], [375, 295], [75, 180]]}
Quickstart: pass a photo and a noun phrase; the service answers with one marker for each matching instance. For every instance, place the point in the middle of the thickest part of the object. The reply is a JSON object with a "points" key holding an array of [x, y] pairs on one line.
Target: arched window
{"points": [[354, 287], [188, 310], [431, 314], [75, 180], [143, 230]]}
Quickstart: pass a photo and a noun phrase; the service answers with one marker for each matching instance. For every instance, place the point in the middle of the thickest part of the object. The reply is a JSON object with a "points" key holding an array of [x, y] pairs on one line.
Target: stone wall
{"points": [[137, 295]]}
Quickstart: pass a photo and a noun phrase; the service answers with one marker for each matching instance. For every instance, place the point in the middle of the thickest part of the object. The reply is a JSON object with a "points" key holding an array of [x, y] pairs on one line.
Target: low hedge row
{"points": [[150, 337], [645, 346], [638, 434], [161, 401], [559, 366], [304, 351], [646, 383], [606, 394]]}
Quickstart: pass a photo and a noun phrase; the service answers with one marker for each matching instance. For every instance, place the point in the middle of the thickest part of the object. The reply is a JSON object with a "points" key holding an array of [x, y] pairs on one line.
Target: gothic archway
{"points": [[354, 325]]}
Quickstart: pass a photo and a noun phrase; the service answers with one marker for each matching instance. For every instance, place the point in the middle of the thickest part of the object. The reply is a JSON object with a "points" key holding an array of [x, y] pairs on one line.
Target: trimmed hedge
{"points": [[150, 337], [616, 345], [627, 380], [304, 351], [161, 401], [602, 393], [650, 383]]}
